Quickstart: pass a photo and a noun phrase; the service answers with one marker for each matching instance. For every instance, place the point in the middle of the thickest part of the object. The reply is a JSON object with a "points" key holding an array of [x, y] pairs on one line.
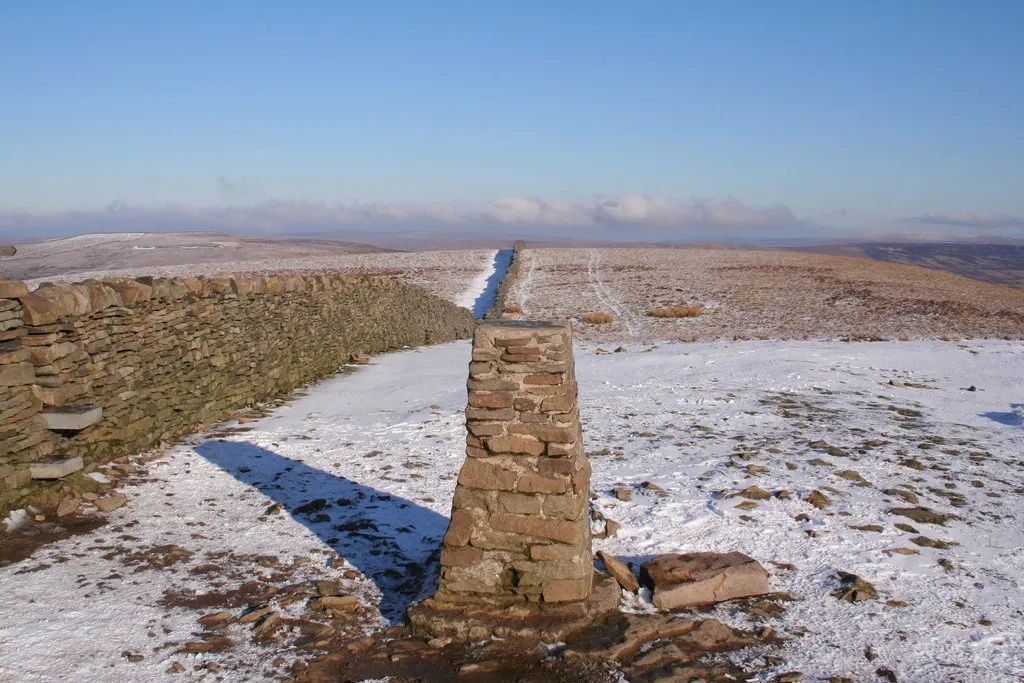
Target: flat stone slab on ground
{"points": [[690, 579], [55, 469]]}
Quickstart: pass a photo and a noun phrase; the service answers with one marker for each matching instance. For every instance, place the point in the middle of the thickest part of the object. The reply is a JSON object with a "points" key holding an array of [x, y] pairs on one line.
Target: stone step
{"points": [[56, 469], [71, 418]]}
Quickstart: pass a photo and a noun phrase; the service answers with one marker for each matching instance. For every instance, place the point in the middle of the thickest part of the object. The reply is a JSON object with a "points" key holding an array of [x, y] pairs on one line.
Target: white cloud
{"points": [[651, 211]]}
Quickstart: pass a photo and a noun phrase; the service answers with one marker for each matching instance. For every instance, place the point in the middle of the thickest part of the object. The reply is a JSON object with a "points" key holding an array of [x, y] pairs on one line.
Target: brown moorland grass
{"points": [[595, 318], [762, 294], [676, 312]]}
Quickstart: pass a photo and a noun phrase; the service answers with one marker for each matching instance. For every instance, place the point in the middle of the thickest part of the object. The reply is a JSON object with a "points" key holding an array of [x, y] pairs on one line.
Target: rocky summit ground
{"points": [[880, 483], [758, 294]]}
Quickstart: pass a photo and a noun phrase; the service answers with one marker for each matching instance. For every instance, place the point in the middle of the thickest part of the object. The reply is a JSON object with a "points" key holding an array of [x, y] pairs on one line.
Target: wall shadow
{"points": [[1009, 419], [392, 541]]}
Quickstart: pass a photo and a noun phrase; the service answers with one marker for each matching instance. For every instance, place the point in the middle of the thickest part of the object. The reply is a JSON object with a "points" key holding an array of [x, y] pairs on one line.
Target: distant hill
{"points": [[115, 251], [1000, 263]]}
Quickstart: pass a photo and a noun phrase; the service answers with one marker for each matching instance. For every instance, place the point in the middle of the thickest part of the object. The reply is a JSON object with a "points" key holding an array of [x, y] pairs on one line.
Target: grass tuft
{"points": [[676, 312]]}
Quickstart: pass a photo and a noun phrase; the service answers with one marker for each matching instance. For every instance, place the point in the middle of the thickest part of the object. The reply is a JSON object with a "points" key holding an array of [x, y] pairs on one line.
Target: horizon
{"points": [[663, 122]]}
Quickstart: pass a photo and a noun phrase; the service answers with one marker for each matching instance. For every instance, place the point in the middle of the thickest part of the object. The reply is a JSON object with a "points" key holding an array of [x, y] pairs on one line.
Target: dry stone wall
{"points": [[520, 532], [162, 357]]}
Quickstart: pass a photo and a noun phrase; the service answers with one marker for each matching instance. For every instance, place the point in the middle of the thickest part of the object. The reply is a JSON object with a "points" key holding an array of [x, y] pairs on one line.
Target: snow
{"points": [[688, 417], [478, 287]]}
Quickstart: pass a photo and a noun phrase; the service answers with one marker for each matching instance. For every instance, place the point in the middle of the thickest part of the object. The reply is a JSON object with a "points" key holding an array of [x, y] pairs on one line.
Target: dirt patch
{"points": [[19, 545]]}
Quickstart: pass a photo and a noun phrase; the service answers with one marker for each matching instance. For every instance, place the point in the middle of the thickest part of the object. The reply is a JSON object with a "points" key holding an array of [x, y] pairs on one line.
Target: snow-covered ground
{"points": [[364, 466]]}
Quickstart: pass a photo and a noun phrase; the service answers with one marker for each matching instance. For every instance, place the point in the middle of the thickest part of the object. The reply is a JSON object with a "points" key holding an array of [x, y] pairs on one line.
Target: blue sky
{"points": [[785, 116]]}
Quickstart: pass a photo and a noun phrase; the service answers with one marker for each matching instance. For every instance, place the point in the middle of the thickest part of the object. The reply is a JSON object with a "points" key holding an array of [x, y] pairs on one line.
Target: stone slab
{"points": [[619, 571], [71, 418], [55, 469], [679, 581]]}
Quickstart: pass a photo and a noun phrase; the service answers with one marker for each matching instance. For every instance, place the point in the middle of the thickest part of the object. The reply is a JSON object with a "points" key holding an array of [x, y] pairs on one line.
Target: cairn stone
{"points": [[519, 539]]}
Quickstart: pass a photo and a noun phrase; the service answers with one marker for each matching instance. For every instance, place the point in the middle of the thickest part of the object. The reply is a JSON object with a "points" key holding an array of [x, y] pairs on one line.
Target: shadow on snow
{"points": [[1009, 419], [392, 541], [502, 261]]}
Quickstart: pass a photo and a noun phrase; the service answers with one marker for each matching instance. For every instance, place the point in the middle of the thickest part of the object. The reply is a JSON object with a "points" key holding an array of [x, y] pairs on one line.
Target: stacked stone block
{"points": [[520, 532], [163, 357]]}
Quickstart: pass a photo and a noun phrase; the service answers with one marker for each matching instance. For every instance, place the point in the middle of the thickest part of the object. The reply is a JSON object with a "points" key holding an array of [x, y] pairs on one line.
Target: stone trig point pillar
{"points": [[518, 547]]}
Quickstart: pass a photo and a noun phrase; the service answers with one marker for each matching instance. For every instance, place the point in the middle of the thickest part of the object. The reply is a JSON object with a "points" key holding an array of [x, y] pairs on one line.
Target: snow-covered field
{"points": [[363, 466]]}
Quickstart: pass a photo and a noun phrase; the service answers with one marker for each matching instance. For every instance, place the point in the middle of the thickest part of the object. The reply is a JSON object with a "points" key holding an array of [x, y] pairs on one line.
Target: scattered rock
{"points": [[922, 515], [854, 476], [619, 571], [818, 500], [876, 528], [214, 644], [852, 588], [622, 492], [818, 462], [111, 502], [902, 551], [908, 496], [789, 677], [905, 527], [887, 674], [339, 603], [215, 620], [701, 578], [268, 625], [926, 542], [747, 505], [754, 493], [255, 614], [68, 506]]}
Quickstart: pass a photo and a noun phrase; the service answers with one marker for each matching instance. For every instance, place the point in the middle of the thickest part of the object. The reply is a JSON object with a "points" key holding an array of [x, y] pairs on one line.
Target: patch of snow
{"points": [[476, 288], [16, 520]]}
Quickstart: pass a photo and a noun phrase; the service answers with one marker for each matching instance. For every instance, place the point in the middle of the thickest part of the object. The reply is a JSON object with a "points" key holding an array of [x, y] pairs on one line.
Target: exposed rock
{"points": [[681, 581], [622, 492], [68, 506], [340, 603], [922, 515], [818, 500], [854, 476], [926, 542], [908, 496], [8, 250], [111, 502], [619, 571], [852, 588], [754, 493]]}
